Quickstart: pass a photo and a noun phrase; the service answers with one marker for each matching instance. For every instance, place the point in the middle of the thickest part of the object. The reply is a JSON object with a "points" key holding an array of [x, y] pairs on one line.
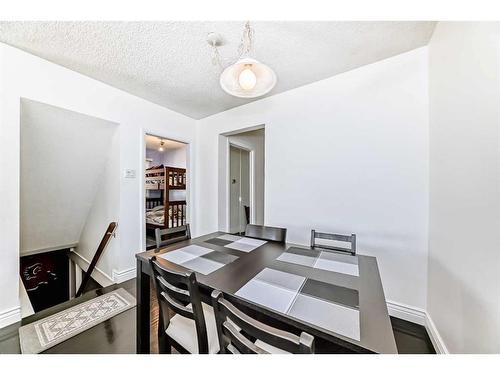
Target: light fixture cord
{"points": [[245, 47], [247, 41], [216, 59]]}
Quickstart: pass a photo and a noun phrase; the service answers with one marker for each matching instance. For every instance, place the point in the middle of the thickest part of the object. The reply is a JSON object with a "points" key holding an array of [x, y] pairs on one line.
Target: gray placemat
{"points": [[54, 329]]}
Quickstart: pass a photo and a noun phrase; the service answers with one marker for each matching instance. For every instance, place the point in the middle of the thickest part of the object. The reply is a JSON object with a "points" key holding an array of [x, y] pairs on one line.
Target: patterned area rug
{"points": [[45, 333]]}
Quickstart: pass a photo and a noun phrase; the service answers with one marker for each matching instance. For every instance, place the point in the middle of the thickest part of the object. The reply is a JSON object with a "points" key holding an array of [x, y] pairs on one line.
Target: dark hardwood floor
{"points": [[411, 338], [117, 335]]}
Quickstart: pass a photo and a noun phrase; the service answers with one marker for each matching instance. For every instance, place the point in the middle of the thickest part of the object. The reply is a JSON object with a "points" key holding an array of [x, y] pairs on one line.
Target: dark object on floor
{"points": [[92, 285], [247, 213], [46, 278], [411, 338]]}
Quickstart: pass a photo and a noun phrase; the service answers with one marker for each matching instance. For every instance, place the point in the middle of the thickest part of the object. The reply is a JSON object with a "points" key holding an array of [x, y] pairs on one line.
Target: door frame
{"points": [[223, 176], [251, 167], [142, 178]]}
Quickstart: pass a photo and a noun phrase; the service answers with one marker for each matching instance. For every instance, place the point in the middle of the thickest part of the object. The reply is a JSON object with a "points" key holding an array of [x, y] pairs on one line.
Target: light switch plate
{"points": [[129, 173]]}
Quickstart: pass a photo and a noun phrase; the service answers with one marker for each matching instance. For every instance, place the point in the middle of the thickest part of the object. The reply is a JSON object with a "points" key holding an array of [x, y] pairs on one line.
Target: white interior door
{"points": [[244, 187], [234, 188], [239, 188]]}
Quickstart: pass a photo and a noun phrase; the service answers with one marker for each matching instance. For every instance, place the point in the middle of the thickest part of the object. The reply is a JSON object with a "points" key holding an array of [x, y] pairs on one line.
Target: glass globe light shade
{"points": [[248, 78]]}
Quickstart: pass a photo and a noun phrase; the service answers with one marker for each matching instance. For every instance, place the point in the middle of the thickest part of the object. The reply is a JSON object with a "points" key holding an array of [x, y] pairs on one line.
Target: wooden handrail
{"points": [[104, 242]]}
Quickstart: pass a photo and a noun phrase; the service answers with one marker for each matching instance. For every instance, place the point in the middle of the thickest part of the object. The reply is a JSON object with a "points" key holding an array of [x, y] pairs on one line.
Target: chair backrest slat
{"points": [[160, 233], [180, 294], [242, 344], [228, 314], [283, 339], [351, 239], [266, 233], [180, 309], [230, 348], [176, 290]]}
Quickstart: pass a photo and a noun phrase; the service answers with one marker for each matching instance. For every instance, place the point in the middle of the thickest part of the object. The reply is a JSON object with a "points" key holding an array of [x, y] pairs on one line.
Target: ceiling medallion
{"points": [[247, 77]]}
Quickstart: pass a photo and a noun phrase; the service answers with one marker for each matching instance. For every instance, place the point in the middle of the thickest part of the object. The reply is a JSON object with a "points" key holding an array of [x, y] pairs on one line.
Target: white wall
{"points": [[346, 154], [155, 155], [464, 256], [170, 157], [25, 76], [105, 208], [63, 155], [176, 157]]}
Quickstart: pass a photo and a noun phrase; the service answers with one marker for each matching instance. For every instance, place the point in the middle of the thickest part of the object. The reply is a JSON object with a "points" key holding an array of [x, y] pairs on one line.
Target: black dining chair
{"points": [[266, 233], [192, 329], [334, 237], [160, 233], [241, 334]]}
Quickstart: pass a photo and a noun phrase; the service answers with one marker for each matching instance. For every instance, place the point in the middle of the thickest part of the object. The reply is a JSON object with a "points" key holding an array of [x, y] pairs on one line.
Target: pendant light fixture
{"points": [[161, 149], [247, 77]]}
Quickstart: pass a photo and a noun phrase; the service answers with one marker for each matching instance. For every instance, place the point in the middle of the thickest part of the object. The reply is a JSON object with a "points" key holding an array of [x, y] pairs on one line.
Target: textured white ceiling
{"points": [[169, 63]]}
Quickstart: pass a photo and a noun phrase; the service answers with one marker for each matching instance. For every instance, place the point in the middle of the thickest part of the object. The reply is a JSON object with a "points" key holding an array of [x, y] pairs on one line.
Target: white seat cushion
{"points": [[183, 330], [269, 348]]}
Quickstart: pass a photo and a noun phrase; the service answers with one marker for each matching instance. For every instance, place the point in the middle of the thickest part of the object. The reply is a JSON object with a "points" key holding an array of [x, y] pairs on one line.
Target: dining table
{"points": [[337, 298]]}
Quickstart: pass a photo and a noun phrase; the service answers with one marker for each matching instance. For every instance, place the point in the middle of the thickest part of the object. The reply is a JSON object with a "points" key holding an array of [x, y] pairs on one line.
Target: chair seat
{"points": [[183, 331], [269, 348]]}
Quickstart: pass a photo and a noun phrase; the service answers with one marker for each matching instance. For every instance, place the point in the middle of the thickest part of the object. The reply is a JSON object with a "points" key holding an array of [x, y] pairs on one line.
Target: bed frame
{"points": [[165, 179]]}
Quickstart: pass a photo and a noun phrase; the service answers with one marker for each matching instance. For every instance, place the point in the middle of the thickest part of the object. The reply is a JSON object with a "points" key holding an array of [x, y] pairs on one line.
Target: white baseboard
{"points": [[435, 337], [410, 313], [121, 276], [98, 275], [26, 306], [418, 316], [10, 316]]}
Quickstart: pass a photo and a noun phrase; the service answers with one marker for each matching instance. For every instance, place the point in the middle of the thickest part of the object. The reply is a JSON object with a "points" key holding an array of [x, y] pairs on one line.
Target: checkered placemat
{"points": [[328, 306], [325, 260], [199, 259], [239, 243]]}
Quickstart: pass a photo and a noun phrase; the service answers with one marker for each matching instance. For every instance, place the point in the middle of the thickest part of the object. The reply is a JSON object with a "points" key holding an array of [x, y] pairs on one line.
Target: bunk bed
{"points": [[161, 211]]}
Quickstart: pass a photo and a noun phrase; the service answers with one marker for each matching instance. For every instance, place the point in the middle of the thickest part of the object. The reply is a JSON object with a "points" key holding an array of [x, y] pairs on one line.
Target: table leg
{"points": [[143, 323]]}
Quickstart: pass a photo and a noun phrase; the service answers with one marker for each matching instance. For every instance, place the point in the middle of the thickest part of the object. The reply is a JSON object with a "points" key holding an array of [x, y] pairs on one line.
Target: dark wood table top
{"points": [[375, 328]]}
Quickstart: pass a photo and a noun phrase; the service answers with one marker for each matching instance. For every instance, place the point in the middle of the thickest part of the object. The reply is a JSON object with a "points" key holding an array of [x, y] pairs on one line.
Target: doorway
{"points": [[239, 189], [246, 147], [69, 193], [165, 184]]}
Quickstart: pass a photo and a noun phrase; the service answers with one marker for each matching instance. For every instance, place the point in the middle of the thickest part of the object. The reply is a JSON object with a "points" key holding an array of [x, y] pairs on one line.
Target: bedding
{"points": [[155, 182], [155, 215], [155, 167]]}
